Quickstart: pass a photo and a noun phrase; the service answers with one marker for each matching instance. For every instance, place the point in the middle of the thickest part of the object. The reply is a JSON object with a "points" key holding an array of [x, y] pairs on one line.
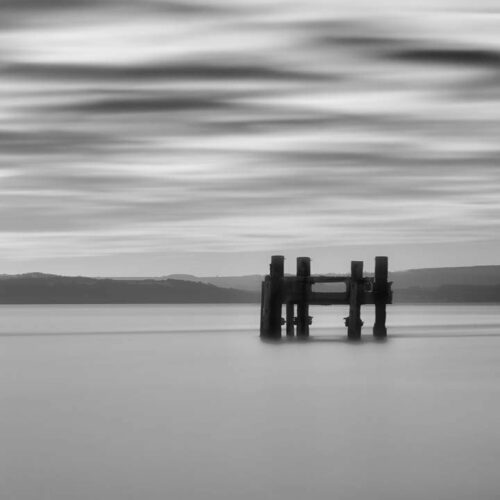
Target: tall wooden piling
{"points": [[354, 322], [290, 313], [303, 274], [263, 308], [272, 299], [381, 295]]}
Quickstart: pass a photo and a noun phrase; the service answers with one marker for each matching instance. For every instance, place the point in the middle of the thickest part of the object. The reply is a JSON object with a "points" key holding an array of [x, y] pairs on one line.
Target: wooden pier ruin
{"points": [[296, 292]]}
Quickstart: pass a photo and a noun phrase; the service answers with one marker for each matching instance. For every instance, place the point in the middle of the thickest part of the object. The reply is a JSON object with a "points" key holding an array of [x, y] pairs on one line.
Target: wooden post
{"points": [[354, 322], [262, 307], [381, 295], [290, 328], [265, 325], [272, 292], [303, 274]]}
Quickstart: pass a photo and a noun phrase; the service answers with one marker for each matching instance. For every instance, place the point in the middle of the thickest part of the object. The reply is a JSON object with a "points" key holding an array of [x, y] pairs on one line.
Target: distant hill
{"points": [[449, 293], [473, 275], [37, 288], [447, 284], [453, 284], [249, 282]]}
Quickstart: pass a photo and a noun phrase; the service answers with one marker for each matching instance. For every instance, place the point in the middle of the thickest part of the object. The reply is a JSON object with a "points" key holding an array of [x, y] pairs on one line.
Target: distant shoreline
{"points": [[470, 285], [253, 303]]}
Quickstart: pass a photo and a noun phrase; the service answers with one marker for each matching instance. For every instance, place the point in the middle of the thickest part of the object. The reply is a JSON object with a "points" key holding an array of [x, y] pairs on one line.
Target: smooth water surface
{"points": [[186, 402]]}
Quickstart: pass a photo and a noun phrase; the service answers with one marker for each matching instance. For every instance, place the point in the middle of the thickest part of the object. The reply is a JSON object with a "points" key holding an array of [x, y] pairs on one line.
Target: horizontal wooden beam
{"points": [[329, 279], [329, 298], [317, 279]]}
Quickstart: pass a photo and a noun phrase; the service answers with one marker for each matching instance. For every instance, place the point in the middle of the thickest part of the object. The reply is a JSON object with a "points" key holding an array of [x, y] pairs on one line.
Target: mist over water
{"points": [[157, 402]]}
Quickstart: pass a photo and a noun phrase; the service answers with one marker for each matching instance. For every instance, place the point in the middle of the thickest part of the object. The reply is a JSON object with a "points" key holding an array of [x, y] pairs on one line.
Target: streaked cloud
{"points": [[226, 127], [167, 71], [472, 58]]}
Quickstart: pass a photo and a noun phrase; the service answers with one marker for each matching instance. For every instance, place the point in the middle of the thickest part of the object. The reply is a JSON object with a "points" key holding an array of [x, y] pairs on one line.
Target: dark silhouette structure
{"points": [[278, 289]]}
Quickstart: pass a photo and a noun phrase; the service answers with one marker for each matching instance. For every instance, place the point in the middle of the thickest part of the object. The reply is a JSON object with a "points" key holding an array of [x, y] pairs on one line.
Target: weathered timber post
{"points": [[381, 295], [272, 291], [263, 319], [303, 274], [290, 328], [354, 322]]}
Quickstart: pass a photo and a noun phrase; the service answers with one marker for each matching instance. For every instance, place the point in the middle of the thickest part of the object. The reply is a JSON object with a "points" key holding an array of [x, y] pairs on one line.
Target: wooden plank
{"points": [[328, 279], [328, 298]]}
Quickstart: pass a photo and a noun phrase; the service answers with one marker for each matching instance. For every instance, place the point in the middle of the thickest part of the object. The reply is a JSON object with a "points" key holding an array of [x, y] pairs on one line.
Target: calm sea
{"points": [[186, 402]]}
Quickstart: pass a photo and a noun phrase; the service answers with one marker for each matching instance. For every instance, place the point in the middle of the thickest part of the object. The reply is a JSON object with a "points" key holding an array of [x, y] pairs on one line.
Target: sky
{"points": [[149, 137]]}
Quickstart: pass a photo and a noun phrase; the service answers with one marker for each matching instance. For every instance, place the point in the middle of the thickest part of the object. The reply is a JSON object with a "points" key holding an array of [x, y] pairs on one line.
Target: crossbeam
{"points": [[328, 279]]}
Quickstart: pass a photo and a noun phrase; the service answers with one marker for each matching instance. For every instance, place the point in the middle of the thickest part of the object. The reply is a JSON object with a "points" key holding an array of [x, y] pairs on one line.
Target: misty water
{"points": [[186, 402]]}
